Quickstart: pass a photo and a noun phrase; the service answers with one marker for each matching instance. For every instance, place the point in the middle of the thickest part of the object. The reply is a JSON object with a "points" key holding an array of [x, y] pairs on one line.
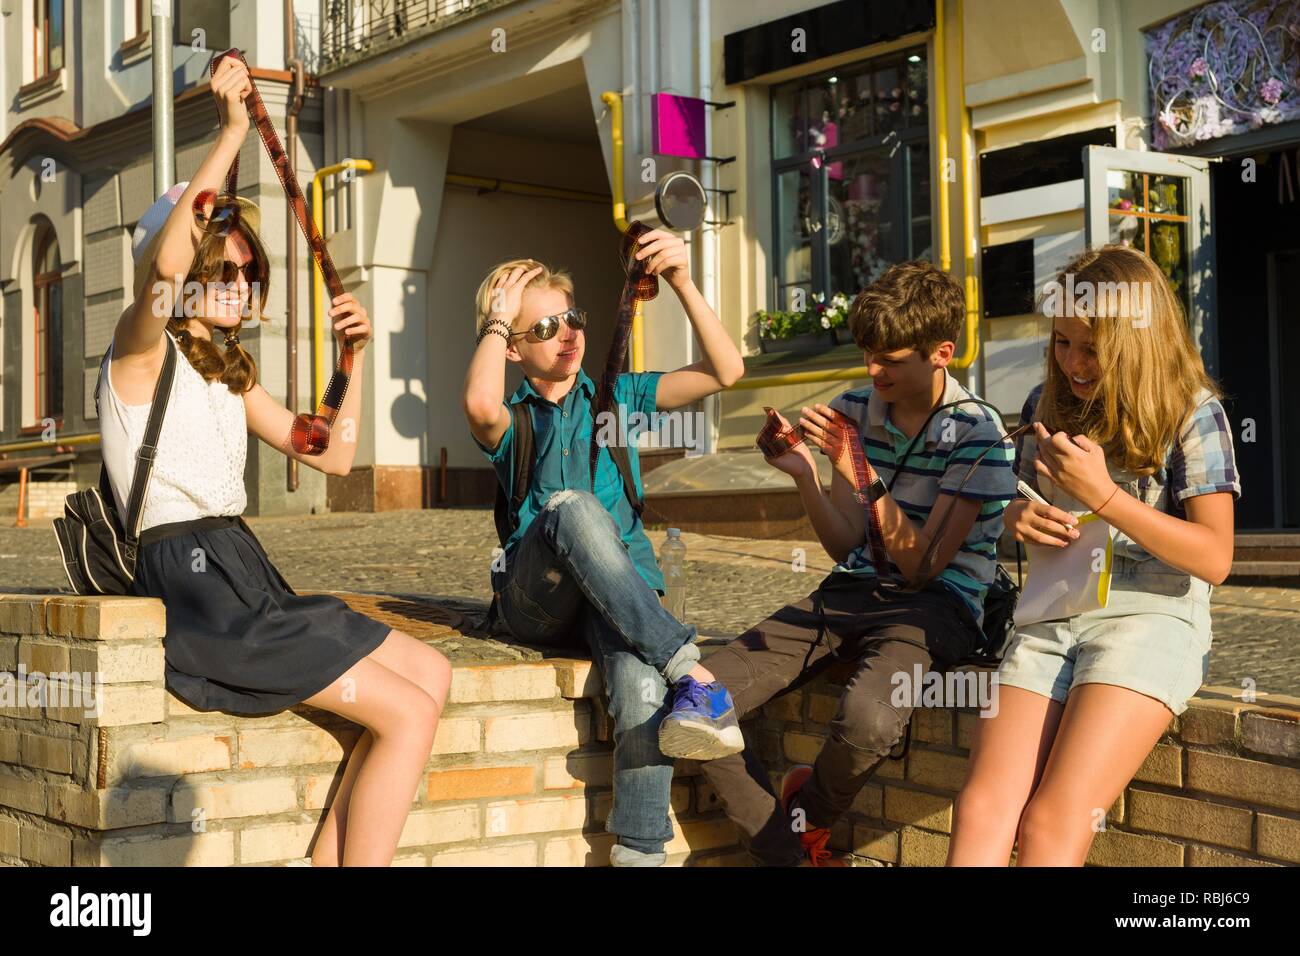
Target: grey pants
{"points": [[879, 626]]}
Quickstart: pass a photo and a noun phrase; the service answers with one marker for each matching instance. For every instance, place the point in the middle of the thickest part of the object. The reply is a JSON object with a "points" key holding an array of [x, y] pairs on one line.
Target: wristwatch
{"points": [[876, 490]]}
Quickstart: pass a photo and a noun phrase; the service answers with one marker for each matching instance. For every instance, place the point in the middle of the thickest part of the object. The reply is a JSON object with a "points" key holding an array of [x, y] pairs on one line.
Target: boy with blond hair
{"points": [[578, 567]]}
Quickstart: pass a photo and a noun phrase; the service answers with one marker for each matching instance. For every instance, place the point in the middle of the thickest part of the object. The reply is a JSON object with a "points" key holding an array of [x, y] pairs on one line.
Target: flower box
{"points": [[807, 342]]}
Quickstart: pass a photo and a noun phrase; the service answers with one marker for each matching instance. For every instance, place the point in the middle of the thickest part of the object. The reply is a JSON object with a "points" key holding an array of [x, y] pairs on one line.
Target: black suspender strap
{"points": [[523, 461]]}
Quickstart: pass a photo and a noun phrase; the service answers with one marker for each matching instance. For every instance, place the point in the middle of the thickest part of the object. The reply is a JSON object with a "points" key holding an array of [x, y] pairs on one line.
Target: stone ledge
{"points": [[521, 768]]}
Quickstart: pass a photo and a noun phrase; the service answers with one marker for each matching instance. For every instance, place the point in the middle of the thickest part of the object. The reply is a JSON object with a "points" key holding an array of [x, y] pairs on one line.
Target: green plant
{"points": [[819, 315]]}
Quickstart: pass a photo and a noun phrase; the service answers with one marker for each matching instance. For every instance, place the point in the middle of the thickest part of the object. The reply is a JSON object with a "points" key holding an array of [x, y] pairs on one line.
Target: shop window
{"points": [[1223, 68], [851, 176]]}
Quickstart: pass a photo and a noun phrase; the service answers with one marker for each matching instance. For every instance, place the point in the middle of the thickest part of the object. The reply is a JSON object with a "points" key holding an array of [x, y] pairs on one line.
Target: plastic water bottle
{"points": [[672, 562]]}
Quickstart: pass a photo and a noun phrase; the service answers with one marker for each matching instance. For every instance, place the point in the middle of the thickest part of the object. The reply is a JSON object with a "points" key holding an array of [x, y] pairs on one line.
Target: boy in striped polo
{"points": [[894, 622]]}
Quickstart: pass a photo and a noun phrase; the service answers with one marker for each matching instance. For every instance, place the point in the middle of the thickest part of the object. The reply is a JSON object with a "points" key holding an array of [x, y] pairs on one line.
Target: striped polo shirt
{"points": [[938, 463]]}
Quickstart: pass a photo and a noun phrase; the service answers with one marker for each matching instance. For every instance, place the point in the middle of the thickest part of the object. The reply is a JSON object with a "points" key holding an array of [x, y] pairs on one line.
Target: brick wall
{"points": [[520, 774], [44, 500], [1221, 788]]}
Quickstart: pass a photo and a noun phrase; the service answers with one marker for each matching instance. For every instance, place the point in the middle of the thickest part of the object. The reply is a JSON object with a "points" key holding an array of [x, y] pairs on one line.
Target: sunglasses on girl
{"points": [[230, 271], [545, 328]]}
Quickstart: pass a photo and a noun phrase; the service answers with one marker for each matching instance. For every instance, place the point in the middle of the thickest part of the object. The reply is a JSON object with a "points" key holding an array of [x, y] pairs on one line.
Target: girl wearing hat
{"points": [[238, 638]]}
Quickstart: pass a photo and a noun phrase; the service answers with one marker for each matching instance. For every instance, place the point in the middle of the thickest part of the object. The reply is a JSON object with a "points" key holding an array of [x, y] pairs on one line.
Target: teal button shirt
{"points": [[562, 449]]}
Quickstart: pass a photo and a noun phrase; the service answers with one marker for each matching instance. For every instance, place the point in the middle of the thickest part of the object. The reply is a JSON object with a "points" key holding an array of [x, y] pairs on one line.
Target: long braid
{"points": [[233, 367]]}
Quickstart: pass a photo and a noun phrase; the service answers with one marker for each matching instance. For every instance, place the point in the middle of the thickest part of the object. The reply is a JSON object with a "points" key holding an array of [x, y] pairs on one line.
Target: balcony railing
{"points": [[355, 29]]}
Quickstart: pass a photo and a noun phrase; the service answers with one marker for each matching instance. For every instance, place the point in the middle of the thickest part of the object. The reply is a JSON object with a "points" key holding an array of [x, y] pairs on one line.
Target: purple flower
{"points": [[1271, 91], [1198, 67]]}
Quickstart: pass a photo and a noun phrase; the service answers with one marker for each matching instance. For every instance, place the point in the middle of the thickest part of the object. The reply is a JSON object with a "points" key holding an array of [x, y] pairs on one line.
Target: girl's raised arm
{"points": [[271, 421], [141, 326]]}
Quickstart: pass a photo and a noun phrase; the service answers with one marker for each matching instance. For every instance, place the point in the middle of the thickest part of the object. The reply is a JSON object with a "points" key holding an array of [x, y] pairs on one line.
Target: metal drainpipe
{"points": [[290, 230], [709, 236], [970, 246], [163, 130]]}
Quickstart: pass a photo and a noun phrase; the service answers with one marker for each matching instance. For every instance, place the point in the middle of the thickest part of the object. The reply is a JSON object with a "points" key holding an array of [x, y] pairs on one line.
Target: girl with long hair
{"points": [[238, 638], [1130, 428]]}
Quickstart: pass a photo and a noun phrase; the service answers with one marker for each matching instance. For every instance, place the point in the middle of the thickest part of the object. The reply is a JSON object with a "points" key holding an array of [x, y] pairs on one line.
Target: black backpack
{"points": [[98, 548], [1003, 593]]}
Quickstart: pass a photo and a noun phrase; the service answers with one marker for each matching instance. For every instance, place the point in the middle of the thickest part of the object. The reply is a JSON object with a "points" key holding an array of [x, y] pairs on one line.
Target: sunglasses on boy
{"points": [[545, 328]]}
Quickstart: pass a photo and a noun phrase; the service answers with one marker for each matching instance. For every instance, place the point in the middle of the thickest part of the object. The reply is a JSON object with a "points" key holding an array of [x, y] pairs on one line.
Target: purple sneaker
{"points": [[702, 725]]}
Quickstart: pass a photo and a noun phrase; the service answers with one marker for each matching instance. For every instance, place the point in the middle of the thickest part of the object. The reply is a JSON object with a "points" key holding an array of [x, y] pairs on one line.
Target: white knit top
{"points": [[199, 470]]}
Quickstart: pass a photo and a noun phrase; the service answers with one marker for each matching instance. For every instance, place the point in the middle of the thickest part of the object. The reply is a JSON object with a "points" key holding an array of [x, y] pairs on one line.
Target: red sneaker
{"points": [[813, 839]]}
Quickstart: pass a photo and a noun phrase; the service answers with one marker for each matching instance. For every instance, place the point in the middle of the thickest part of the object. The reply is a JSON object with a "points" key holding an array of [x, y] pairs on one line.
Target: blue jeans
{"points": [[569, 580]]}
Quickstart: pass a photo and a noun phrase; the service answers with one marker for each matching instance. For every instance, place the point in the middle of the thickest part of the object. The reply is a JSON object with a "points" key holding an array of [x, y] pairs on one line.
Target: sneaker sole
{"points": [[695, 741]]}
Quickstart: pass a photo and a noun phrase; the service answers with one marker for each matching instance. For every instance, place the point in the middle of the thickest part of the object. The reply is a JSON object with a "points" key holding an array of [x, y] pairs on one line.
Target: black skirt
{"points": [[238, 638]]}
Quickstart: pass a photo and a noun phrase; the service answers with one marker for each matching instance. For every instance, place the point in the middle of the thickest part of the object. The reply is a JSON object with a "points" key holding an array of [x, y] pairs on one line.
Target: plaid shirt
{"points": [[1200, 462]]}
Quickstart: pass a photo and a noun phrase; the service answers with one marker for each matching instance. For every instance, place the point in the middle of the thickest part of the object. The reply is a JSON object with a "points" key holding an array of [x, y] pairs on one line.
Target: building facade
{"points": [[995, 137], [76, 173]]}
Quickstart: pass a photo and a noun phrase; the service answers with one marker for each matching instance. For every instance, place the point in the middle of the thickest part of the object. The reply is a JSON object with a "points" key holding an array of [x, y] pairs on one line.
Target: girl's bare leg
{"points": [[402, 719], [1105, 734], [418, 662], [1007, 760], [329, 842]]}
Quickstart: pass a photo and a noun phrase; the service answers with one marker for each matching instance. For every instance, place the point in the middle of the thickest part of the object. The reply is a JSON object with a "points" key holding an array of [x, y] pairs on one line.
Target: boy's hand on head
{"points": [[508, 292], [666, 253], [1076, 464]]}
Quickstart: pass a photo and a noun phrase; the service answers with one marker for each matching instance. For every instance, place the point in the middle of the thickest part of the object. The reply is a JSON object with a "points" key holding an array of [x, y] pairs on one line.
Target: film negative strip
{"points": [[310, 433], [639, 286], [776, 438]]}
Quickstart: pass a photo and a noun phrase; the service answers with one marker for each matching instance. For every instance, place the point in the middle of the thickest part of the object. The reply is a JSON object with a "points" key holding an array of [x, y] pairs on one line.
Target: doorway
{"points": [[1257, 246]]}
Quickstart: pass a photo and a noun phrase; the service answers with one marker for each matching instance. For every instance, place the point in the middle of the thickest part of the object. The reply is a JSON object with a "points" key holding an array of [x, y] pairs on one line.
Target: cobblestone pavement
{"points": [[732, 582]]}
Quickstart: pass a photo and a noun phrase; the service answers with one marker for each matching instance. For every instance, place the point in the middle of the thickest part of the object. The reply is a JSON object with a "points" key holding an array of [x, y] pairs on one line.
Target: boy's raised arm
{"points": [[721, 365]]}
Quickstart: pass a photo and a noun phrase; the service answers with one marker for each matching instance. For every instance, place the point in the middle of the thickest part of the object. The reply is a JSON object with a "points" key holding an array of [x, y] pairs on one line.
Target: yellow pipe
{"points": [[803, 378], [941, 120], [968, 225], [88, 439], [615, 103], [638, 339], [318, 278]]}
